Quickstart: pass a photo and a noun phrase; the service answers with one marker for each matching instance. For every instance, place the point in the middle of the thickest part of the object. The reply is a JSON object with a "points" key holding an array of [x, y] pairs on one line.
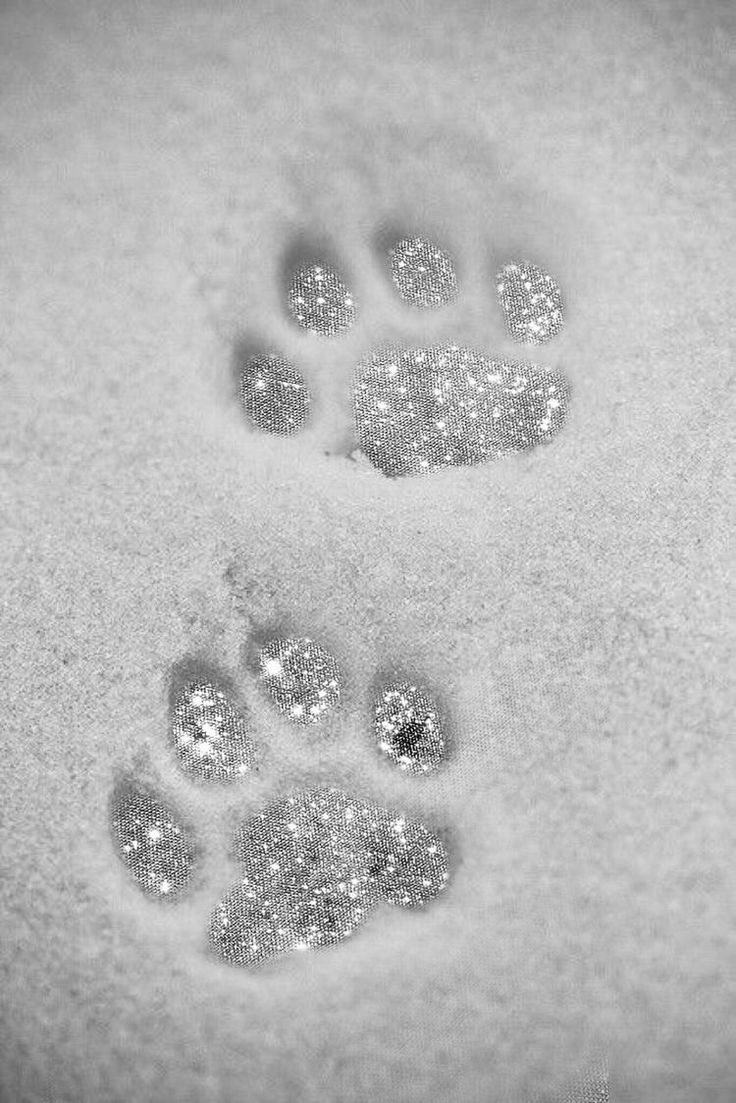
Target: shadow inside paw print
{"points": [[314, 862], [420, 409]]}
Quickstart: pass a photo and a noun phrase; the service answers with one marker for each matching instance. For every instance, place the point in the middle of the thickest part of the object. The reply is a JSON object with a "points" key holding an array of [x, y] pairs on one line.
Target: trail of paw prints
{"points": [[420, 409], [315, 862]]}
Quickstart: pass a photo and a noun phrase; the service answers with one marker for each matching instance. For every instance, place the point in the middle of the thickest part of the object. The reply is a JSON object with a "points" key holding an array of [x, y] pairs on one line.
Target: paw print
{"points": [[314, 863], [418, 409]]}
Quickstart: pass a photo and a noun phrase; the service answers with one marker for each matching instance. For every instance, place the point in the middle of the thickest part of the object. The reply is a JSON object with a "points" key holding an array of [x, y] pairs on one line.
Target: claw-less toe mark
{"points": [[155, 846], [408, 728], [319, 301], [209, 735], [531, 303], [301, 678], [274, 394], [423, 274]]}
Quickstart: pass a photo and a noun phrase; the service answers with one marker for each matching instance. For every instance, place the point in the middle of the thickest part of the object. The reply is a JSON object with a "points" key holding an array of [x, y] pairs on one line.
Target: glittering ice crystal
{"points": [[314, 864], [274, 394], [409, 863], [319, 300], [531, 302], [421, 409], [209, 735], [305, 878], [408, 729], [151, 841], [393, 406], [301, 678], [591, 1086], [530, 406], [250, 926], [423, 274]]}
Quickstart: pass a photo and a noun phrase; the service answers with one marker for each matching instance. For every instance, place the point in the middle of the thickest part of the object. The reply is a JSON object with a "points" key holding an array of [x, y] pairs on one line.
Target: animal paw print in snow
{"points": [[419, 409], [315, 862]]}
